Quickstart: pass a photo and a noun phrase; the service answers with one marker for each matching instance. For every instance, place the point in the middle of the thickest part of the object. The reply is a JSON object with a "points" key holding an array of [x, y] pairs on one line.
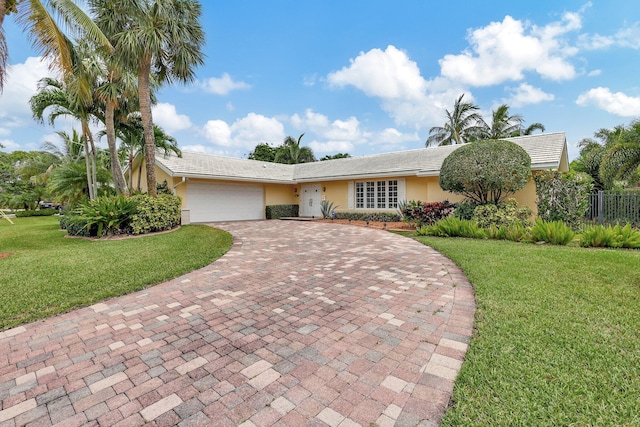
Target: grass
{"points": [[48, 273], [557, 340]]}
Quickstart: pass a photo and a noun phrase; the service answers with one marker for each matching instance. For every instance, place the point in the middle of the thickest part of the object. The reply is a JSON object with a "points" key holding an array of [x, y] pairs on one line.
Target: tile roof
{"points": [[546, 151]]}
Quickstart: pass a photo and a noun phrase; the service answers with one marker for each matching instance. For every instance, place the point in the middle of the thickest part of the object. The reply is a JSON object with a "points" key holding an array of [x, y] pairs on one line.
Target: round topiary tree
{"points": [[486, 171]]}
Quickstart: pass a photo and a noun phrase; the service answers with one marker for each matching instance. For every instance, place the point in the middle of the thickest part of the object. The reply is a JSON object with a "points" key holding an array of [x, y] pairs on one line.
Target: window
{"points": [[359, 195], [382, 195], [376, 194], [371, 194]]}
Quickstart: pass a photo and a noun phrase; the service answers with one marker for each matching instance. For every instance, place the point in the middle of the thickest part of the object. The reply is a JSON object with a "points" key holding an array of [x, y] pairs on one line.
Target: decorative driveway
{"points": [[300, 323]]}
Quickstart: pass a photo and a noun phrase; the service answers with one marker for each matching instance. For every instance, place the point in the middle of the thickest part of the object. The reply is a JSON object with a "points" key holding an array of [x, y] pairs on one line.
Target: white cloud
{"points": [[388, 74], [616, 103], [9, 145], [628, 37], [223, 85], [527, 94], [20, 86], [246, 132], [594, 73], [331, 146], [338, 135], [395, 79], [166, 116], [504, 51], [198, 148]]}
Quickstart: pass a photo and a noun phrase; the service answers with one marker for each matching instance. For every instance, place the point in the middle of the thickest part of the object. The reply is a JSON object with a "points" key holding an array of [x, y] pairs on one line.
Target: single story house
{"points": [[216, 188]]}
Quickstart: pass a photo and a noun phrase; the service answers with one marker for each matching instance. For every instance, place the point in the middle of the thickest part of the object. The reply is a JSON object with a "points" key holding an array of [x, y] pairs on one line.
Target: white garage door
{"points": [[224, 202]]}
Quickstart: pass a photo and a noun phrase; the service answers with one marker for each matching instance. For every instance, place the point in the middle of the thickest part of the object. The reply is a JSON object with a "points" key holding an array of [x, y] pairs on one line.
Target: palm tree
{"points": [[47, 38], [532, 128], [502, 124], [621, 160], [72, 147], [290, 152], [56, 97], [159, 37], [463, 125]]}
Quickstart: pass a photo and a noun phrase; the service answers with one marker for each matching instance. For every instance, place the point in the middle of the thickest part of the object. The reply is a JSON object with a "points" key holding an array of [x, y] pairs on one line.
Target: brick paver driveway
{"points": [[301, 323]]}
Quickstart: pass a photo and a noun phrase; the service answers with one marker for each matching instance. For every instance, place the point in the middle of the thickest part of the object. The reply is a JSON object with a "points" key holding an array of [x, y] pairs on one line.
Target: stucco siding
{"points": [[279, 194]]}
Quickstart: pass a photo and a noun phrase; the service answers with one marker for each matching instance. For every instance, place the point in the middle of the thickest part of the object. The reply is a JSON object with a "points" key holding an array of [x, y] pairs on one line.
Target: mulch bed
{"points": [[4, 255], [372, 224]]}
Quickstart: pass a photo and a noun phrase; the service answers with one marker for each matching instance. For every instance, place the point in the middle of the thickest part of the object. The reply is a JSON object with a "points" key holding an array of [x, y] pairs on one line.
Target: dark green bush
{"points": [[76, 226], [423, 213], [281, 211], [39, 212], [464, 210], [370, 216], [155, 214], [486, 171], [502, 215]]}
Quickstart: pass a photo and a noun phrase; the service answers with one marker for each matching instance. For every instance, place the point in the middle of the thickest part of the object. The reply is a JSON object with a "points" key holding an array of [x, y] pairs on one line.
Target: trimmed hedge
{"points": [[369, 216], [281, 211], [39, 212], [156, 214]]}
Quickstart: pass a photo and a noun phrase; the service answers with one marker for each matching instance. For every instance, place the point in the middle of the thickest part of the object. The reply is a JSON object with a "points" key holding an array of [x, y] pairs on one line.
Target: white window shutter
{"points": [[402, 190], [351, 195]]}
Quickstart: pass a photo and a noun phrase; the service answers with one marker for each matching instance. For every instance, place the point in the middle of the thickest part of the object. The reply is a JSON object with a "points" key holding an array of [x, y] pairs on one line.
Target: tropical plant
{"points": [[453, 227], [327, 209], [516, 232], [616, 236], [37, 19], [464, 124], [621, 160], [532, 128], [68, 182], [153, 37], [107, 215], [486, 171], [554, 232], [336, 156], [502, 124], [291, 152]]}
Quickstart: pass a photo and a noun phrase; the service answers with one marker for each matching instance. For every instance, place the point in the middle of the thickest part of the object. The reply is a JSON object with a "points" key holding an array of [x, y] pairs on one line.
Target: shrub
{"points": [[464, 210], [563, 197], [515, 232], [281, 211], [453, 227], [327, 208], [369, 216], [155, 214], [600, 236], [75, 226], [554, 232], [39, 212], [486, 171], [502, 215], [423, 213]]}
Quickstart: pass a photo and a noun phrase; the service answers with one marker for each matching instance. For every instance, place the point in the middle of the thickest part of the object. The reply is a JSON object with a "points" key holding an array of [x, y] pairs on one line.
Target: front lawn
{"points": [[47, 273], [558, 335]]}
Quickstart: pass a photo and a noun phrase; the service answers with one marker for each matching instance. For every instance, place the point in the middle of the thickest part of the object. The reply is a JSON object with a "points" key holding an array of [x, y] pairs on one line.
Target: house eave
{"points": [[233, 178], [357, 176]]}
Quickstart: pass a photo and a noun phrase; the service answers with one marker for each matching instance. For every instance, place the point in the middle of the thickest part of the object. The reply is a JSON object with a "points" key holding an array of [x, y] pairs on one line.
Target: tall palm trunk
{"points": [[116, 170], [87, 162], [144, 97], [93, 177]]}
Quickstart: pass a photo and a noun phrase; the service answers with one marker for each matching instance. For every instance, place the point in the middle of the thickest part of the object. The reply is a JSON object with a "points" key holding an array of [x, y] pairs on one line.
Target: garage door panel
{"points": [[225, 202]]}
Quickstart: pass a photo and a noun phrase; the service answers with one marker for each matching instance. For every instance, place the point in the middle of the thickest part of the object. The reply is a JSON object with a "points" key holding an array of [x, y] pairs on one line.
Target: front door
{"points": [[310, 203]]}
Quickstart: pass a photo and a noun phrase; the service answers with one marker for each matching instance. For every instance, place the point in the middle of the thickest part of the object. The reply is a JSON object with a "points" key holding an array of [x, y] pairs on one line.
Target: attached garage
{"points": [[209, 202]]}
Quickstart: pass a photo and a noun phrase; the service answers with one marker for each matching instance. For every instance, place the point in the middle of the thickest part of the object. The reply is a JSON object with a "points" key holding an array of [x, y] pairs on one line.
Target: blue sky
{"points": [[372, 76]]}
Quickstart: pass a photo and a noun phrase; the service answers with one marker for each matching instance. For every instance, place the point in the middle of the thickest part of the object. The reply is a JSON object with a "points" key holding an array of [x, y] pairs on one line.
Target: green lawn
{"points": [[48, 273], [557, 340]]}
